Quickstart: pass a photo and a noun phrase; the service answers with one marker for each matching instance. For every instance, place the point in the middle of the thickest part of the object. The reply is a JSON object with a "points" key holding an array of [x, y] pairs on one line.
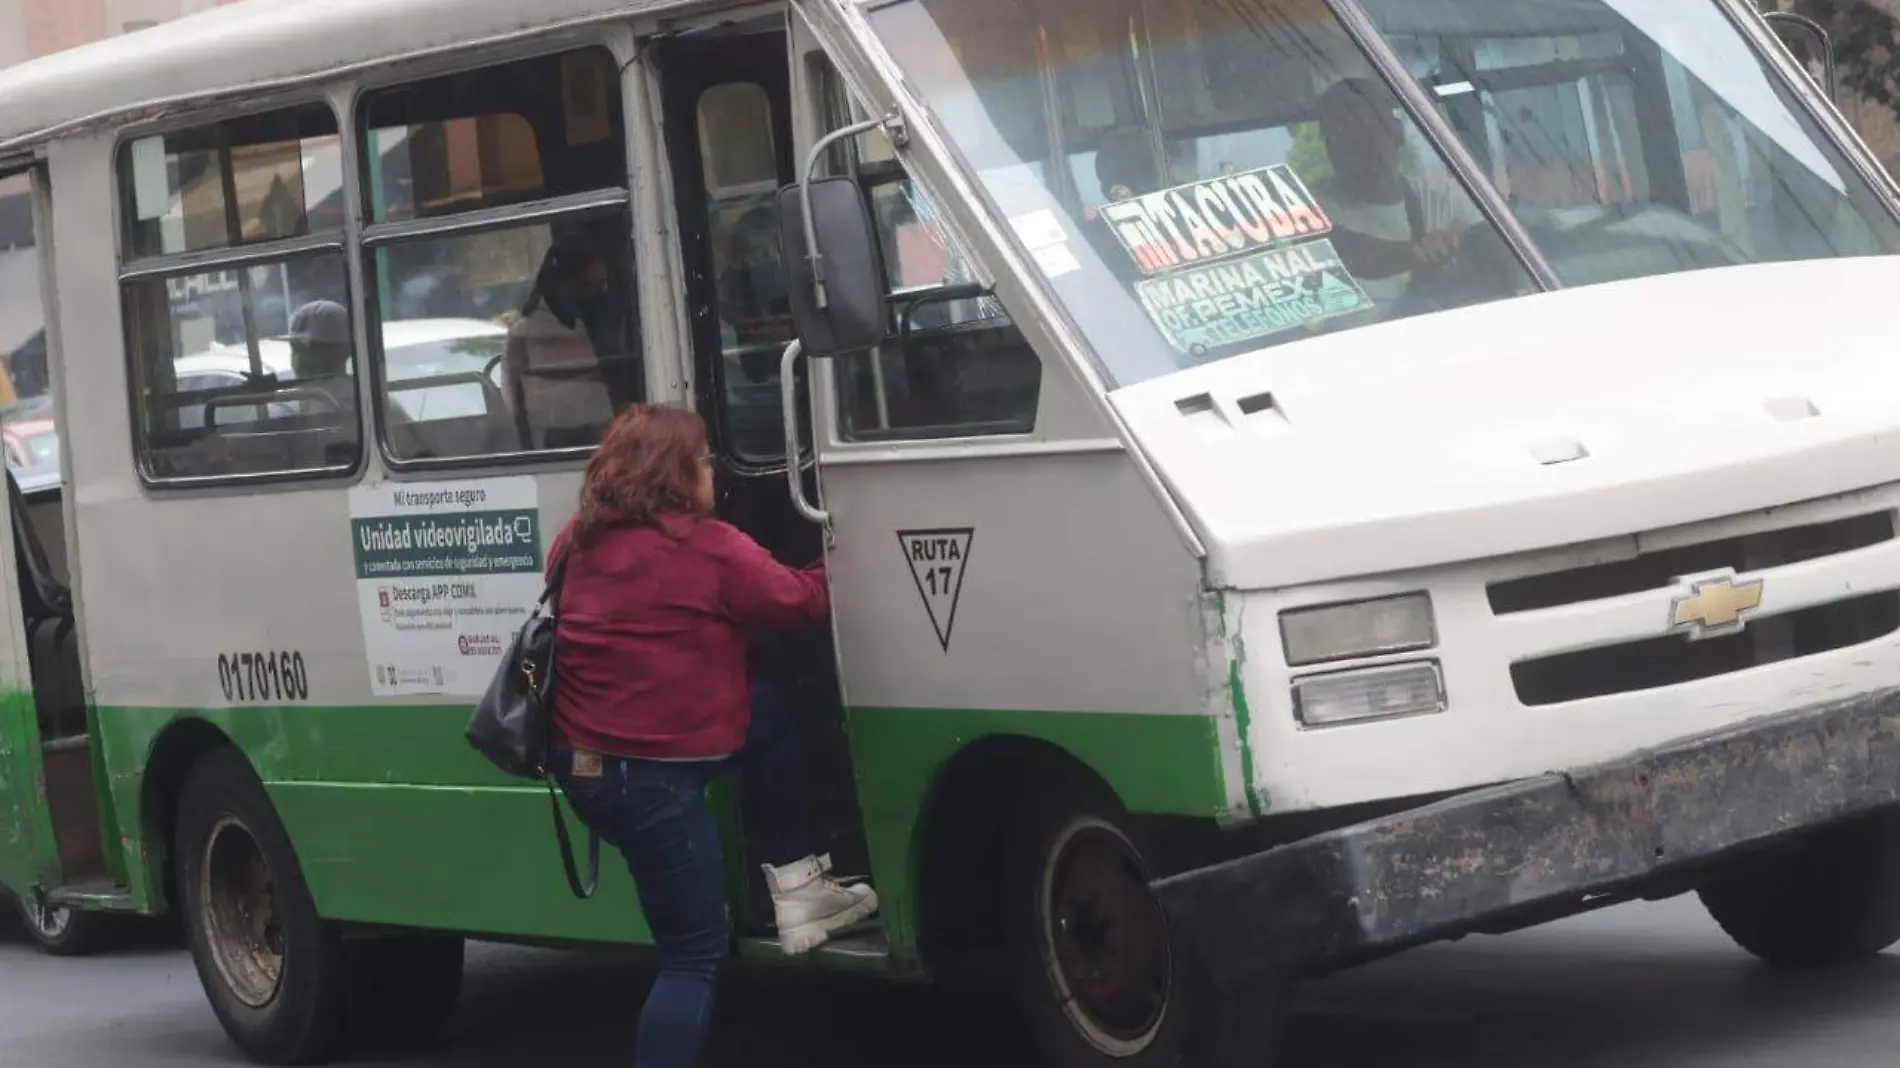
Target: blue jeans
{"points": [[656, 814]]}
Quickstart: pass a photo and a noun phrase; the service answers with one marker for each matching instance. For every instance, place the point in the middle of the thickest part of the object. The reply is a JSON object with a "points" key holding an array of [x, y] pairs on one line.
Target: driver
{"points": [[1387, 229]]}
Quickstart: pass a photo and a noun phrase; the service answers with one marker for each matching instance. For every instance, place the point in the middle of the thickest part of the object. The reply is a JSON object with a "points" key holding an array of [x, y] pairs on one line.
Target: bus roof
{"points": [[257, 45]]}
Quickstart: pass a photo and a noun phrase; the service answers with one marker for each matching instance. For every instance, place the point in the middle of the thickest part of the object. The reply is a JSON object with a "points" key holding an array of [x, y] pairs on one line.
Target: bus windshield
{"points": [[1203, 178]]}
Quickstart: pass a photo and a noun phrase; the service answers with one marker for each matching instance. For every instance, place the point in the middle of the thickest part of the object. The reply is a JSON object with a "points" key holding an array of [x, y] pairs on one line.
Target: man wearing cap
{"points": [[322, 357], [321, 349]]}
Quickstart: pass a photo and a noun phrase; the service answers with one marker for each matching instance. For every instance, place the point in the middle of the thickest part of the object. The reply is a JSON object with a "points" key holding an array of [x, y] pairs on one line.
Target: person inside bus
{"points": [[322, 359], [322, 350], [553, 375], [754, 310], [658, 608], [1388, 230], [1125, 168]]}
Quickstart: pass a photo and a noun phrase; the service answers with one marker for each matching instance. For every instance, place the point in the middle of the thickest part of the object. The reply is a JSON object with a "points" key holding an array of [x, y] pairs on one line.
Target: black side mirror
{"points": [[837, 295]]}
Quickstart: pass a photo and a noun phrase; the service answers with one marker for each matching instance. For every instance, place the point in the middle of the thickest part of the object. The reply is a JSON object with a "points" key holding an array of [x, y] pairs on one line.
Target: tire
{"points": [[1832, 899], [276, 974], [63, 932], [408, 986], [1079, 908]]}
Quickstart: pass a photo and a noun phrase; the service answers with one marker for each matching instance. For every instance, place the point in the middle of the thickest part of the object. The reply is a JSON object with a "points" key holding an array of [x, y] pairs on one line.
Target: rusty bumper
{"points": [[1540, 848]]}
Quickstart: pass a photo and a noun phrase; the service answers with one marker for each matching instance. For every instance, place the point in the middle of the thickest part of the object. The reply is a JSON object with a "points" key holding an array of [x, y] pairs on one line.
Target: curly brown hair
{"points": [[648, 465]]}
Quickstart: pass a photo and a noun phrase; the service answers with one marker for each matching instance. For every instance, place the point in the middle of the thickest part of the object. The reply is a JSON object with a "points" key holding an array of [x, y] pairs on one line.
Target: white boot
{"points": [[810, 904]]}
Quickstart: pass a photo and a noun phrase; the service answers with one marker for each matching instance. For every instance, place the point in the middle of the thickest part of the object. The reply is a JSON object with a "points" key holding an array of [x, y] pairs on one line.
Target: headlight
{"points": [[1368, 694], [1361, 628]]}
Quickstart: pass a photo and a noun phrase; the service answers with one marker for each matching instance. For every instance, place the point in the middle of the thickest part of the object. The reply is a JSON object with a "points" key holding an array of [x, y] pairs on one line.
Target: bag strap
{"points": [[551, 599], [551, 593], [582, 890]]}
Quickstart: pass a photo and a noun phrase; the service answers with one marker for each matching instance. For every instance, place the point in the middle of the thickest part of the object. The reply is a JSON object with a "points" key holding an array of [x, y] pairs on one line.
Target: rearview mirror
{"points": [[836, 296], [1810, 44]]}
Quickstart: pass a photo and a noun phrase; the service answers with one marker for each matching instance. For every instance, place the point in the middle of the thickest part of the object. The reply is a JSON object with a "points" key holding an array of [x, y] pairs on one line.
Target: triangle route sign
{"points": [[938, 560]]}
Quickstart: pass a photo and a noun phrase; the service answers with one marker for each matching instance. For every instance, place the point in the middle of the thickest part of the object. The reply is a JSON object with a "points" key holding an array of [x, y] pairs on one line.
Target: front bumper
{"points": [[1536, 848]]}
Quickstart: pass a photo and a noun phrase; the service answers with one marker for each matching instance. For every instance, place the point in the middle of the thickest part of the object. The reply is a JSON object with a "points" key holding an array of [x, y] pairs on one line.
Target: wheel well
{"points": [[962, 840], [177, 751]]}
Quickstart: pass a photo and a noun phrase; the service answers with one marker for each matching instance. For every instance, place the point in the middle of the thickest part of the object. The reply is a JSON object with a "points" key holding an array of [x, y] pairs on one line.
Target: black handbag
{"points": [[513, 724]]}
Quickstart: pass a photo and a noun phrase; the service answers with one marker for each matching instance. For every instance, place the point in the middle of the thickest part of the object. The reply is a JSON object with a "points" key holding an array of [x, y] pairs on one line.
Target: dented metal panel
{"points": [[1539, 848]]}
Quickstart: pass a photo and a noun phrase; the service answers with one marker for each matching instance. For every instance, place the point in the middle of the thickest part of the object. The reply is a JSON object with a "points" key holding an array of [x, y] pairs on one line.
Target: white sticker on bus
{"points": [[445, 574]]}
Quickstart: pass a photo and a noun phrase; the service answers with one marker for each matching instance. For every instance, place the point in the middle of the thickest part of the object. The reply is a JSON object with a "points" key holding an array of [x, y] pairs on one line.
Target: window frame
{"points": [[132, 269], [374, 236]]}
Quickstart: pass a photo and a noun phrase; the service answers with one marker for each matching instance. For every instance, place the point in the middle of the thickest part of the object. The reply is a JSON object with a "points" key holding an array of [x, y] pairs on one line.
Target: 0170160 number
{"points": [[263, 677]]}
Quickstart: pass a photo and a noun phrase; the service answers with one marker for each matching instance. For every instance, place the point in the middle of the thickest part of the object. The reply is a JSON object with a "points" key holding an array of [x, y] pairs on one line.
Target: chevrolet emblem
{"points": [[1715, 605]]}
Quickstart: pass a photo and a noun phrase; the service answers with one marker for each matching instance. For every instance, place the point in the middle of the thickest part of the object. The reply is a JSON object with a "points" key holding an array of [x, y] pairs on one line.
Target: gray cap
{"points": [[320, 322]]}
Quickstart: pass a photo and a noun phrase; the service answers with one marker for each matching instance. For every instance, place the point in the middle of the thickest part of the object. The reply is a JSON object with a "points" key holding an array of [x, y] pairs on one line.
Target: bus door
{"points": [[50, 830], [726, 95]]}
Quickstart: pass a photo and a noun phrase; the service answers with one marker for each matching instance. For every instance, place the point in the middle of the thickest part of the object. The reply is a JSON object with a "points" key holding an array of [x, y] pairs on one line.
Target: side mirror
{"points": [[1810, 44], [836, 289]]}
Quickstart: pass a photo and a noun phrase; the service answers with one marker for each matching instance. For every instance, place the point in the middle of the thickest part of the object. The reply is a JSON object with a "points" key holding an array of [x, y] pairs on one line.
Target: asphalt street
{"points": [[1633, 987]]}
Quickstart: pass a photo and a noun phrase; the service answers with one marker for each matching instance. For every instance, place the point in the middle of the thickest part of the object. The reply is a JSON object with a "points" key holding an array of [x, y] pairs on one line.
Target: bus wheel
{"points": [[1833, 898], [277, 976], [408, 985], [1092, 961], [60, 931]]}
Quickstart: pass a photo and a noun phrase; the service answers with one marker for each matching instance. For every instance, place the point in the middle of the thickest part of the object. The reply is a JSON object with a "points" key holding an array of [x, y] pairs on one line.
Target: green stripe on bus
{"points": [[396, 820]]}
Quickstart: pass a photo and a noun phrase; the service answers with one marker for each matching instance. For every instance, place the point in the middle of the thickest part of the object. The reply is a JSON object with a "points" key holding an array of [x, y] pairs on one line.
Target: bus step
{"points": [[93, 894], [859, 948]]}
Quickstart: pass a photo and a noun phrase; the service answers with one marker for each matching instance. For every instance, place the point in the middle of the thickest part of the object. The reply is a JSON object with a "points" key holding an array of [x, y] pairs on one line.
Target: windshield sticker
{"points": [[1248, 299], [1057, 260], [1217, 219], [1047, 241]]}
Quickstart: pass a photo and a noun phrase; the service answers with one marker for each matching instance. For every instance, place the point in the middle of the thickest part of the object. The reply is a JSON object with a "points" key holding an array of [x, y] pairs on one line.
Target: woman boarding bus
{"points": [[1232, 578]]}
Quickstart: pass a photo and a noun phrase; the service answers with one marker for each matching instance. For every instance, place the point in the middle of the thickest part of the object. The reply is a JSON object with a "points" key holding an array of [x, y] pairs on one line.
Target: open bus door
{"points": [[51, 832], [727, 98], [25, 828]]}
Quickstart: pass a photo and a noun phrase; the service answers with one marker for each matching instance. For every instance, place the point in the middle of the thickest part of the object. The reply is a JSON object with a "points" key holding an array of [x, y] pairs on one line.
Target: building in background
{"points": [[33, 28]]}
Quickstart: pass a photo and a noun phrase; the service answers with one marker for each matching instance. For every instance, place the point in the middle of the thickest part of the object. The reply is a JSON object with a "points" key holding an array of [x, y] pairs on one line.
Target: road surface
{"points": [[1633, 987]]}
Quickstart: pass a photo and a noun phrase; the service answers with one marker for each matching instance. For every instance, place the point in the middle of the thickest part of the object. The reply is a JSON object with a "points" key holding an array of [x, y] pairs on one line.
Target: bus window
{"points": [[740, 171], [955, 365], [1635, 144], [529, 130], [28, 420], [1200, 179], [246, 371], [243, 369], [261, 178], [495, 335]]}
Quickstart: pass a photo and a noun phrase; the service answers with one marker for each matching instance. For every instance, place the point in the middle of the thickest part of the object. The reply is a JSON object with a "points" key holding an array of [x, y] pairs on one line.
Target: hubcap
{"points": [[49, 923], [237, 906], [1106, 939]]}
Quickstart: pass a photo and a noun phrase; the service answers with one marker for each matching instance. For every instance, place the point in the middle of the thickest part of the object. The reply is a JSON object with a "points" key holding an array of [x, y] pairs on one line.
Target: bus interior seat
{"points": [[475, 435]]}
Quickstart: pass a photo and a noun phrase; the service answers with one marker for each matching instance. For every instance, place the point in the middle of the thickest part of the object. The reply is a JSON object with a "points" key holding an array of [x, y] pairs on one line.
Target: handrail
{"points": [[265, 400], [788, 405], [491, 393]]}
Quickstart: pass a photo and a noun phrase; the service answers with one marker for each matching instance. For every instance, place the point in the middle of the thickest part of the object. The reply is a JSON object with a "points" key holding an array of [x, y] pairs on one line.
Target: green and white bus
{"points": [[1300, 478]]}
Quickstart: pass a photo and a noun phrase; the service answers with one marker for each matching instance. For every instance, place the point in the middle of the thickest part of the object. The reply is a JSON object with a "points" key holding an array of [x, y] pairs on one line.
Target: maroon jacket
{"points": [[655, 624]]}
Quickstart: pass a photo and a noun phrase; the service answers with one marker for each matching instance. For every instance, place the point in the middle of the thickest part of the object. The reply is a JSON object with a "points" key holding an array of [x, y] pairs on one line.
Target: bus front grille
{"points": [[1661, 569], [1653, 663]]}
